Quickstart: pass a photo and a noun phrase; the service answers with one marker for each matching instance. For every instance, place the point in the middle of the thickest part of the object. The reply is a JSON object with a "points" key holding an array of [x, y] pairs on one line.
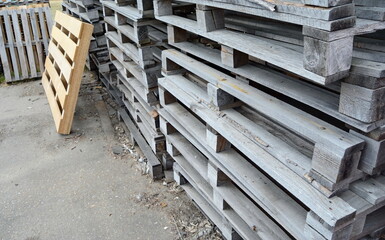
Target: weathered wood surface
{"points": [[64, 67], [153, 162], [291, 117], [24, 37], [77, 8], [313, 96], [272, 53]]}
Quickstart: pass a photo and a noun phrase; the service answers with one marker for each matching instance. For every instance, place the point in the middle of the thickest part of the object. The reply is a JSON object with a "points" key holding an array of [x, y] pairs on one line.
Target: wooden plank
{"points": [[69, 23], [3, 54], [65, 42], [39, 49], [28, 42], [9, 31], [43, 29], [65, 66]]}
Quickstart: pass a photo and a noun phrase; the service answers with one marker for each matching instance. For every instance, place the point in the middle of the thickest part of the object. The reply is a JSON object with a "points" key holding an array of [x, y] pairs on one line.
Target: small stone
{"points": [[117, 150]]}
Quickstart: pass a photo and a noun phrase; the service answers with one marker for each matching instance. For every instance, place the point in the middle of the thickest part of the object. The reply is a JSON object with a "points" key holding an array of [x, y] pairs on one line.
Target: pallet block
{"points": [[24, 37], [67, 53]]}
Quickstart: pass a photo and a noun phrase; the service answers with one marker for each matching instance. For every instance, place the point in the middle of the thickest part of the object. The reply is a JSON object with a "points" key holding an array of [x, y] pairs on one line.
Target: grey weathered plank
{"points": [[373, 13], [3, 56], [27, 37], [39, 50], [9, 31]]}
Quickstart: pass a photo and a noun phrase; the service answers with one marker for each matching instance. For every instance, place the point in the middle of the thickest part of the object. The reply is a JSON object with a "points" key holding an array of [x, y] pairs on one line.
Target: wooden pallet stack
{"points": [[24, 36], [90, 11], [135, 41], [9, 3], [274, 114]]}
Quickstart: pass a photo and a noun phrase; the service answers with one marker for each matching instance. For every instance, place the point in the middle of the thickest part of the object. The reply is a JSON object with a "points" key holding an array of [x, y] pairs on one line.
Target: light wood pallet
{"points": [[24, 37], [320, 61], [211, 165], [326, 170], [64, 67]]}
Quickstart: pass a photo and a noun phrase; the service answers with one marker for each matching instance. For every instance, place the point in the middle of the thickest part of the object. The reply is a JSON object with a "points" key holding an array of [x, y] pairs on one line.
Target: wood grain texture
{"points": [[64, 68]]}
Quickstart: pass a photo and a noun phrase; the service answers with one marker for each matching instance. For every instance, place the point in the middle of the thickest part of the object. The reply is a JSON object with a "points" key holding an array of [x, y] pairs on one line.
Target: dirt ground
{"points": [[91, 184]]}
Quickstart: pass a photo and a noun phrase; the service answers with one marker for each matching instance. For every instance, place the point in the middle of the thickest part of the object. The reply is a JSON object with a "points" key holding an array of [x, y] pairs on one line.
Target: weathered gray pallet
{"points": [[77, 8], [240, 217], [142, 56], [24, 37], [313, 96], [143, 9], [313, 64], [332, 170], [11, 3], [184, 132], [367, 71], [142, 119], [147, 77], [98, 26], [107, 78], [138, 30], [141, 110], [155, 167]]}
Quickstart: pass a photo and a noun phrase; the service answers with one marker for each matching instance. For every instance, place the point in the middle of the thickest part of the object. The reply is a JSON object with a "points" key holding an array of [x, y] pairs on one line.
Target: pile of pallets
{"points": [[274, 114], [135, 41], [90, 11], [24, 37], [12, 3]]}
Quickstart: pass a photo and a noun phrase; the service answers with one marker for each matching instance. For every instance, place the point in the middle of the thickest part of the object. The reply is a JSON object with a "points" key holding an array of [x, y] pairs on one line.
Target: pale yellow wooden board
{"points": [[68, 50]]}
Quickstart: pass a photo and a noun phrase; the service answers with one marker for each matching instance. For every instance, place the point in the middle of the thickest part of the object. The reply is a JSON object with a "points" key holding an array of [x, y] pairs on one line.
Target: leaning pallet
{"points": [[233, 143], [328, 33], [64, 67], [24, 37]]}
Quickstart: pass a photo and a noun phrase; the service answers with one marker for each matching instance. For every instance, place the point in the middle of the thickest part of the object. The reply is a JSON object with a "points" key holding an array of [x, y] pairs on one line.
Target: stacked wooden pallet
{"points": [[135, 41], [9, 3], [274, 115], [24, 37], [90, 11]]}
